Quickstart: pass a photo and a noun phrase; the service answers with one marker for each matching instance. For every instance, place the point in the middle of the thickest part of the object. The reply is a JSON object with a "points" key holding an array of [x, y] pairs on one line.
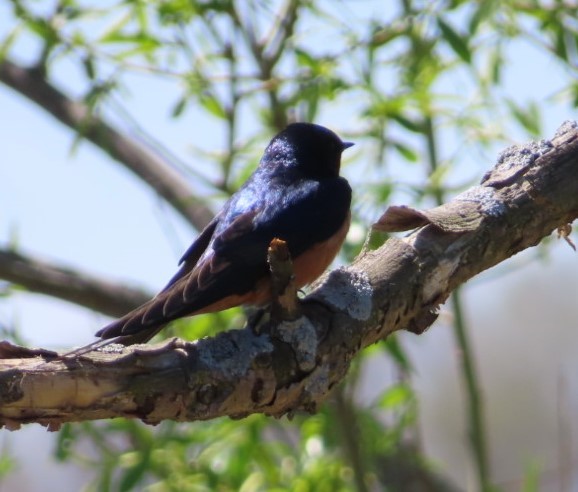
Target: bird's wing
{"points": [[303, 214], [195, 251], [187, 262], [209, 282], [226, 263], [236, 259]]}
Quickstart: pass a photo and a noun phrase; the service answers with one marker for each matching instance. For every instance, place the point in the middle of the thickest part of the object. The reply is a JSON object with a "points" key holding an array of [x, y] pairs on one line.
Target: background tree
{"points": [[428, 91]]}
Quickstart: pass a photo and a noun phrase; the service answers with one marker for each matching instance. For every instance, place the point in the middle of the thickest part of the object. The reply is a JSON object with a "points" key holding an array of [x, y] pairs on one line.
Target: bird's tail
{"points": [[142, 336], [139, 325]]}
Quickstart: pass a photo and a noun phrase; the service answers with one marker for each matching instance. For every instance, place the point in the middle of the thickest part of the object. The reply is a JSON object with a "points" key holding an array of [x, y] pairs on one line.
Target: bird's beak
{"points": [[346, 145]]}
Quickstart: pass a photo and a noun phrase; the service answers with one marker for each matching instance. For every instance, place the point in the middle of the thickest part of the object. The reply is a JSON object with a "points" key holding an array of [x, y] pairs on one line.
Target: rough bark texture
{"points": [[292, 365]]}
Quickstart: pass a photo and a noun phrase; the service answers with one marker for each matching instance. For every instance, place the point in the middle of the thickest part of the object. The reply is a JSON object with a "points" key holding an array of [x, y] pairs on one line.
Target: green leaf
{"points": [[8, 41], [142, 41], [305, 59], [574, 94], [496, 62], [483, 11], [133, 475], [179, 107], [406, 152], [177, 11], [212, 105], [66, 438], [560, 43], [88, 64], [397, 353], [115, 28], [408, 123], [531, 478], [528, 116], [395, 397], [457, 42], [7, 464], [390, 107], [42, 28]]}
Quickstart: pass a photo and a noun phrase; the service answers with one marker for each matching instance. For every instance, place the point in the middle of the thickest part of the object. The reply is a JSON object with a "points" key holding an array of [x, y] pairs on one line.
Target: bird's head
{"points": [[312, 149]]}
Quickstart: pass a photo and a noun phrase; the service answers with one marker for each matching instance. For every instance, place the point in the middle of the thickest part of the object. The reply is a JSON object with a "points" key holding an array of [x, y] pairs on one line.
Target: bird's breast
{"points": [[310, 264]]}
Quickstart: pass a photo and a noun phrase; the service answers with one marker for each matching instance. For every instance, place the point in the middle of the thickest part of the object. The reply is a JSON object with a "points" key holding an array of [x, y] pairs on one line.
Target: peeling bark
{"points": [[292, 365]]}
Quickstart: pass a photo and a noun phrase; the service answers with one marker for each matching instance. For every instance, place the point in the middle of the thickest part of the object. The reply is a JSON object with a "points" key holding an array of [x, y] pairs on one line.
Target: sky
{"points": [[80, 209]]}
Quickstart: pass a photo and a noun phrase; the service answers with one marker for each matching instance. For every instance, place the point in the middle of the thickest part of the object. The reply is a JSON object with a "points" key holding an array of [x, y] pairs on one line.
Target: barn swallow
{"points": [[295, 194]]}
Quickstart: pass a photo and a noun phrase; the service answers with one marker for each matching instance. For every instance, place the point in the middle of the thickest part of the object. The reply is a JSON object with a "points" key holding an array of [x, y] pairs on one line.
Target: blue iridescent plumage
{"points": [[296, 194]]}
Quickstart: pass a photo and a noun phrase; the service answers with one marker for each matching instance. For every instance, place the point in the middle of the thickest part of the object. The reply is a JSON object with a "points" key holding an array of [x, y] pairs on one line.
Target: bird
{"points": [[296, 194]]}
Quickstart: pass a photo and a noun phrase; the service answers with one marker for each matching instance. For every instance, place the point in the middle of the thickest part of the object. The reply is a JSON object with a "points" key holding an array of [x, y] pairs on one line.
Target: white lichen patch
{"points": [[233, 352], [347, 290], [486, 198], [301, 335], [520, 156], [566, 127], [514, 162], [318, 382]]}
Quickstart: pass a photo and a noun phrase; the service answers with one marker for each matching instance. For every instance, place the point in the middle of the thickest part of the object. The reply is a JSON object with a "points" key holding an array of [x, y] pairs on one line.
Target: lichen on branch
{"points": [[292, 365]]}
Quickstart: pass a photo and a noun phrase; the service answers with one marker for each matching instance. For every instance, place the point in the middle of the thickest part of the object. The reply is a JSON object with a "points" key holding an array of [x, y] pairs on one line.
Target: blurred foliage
{"points": [[397, 77], [254, 454]]}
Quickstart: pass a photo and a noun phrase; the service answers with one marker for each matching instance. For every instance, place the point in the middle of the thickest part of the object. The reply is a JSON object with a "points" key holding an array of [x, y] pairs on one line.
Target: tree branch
{"points": [[292, 365], [160, 176], [80, 288]]}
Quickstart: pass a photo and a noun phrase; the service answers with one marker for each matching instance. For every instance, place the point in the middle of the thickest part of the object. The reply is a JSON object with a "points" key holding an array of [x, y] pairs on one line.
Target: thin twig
{"points": [[159, 175], [350, 436], [70, 285], [285, 305], [468, 373]]}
